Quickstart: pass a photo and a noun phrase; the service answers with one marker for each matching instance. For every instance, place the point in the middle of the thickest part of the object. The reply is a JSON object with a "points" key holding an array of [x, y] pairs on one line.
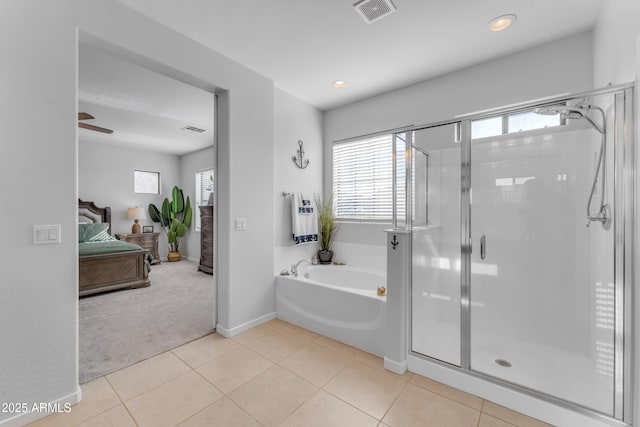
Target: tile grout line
{"points": [[395, 400], [342, 400]]}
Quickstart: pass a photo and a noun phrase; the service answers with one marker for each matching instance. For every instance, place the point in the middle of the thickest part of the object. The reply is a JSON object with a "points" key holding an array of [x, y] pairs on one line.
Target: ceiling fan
{"points": [[87, 116]]}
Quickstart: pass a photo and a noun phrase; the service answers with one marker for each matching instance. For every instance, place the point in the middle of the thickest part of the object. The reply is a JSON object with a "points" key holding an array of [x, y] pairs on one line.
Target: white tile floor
{"points": [[276, 374]]}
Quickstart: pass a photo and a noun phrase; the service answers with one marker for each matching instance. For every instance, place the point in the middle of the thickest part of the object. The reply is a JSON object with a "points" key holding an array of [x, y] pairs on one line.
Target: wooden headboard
{"points": [[88, 212]]}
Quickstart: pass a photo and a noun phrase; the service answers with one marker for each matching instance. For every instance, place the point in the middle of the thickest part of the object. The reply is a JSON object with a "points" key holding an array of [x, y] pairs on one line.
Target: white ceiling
{"points": [[304, 45], [146, 110]]}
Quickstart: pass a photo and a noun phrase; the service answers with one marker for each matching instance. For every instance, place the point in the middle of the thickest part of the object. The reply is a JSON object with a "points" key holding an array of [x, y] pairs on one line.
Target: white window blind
{"points": [[363, 179], [204, 187]]}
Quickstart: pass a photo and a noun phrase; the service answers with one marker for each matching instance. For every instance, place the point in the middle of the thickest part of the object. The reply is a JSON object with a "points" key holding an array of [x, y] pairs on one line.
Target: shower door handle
{"points": [[483, 246]]}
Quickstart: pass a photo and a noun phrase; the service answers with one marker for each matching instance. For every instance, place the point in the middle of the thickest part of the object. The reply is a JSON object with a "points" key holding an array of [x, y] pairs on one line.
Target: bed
{"points": [[107, 264]]}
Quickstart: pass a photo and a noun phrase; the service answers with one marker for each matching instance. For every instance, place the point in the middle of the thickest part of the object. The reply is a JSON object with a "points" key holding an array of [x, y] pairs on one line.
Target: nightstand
{"points": [[145, 240]]}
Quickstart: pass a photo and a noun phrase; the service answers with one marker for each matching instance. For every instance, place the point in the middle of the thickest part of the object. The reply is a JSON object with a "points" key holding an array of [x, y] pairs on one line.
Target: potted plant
{"points": [[175, 218], [327, 228]]}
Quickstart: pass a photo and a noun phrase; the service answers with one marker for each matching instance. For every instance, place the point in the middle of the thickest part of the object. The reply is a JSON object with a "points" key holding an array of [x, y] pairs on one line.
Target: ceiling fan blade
{"points": [[85, 116], [96, 128]]}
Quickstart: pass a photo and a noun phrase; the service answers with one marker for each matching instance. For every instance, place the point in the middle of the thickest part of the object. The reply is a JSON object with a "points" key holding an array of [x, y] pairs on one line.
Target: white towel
{"points": [[304, 219]]}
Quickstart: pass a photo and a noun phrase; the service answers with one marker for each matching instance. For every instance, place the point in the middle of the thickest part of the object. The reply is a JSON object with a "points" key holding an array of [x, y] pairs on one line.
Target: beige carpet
{"points": [[120, 328]]}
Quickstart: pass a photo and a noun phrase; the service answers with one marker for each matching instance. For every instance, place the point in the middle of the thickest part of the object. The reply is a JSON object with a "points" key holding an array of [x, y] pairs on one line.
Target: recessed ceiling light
{"points": [[339, 83], [502, 22]]}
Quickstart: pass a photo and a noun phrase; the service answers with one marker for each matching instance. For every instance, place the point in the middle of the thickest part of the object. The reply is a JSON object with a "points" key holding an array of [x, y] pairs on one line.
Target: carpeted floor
{"points": [[120, 328]]}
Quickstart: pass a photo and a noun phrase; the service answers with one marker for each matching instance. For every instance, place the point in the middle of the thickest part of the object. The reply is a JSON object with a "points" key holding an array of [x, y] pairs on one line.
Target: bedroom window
{"points": [[204, 187], [146, 182], [363, 179]]}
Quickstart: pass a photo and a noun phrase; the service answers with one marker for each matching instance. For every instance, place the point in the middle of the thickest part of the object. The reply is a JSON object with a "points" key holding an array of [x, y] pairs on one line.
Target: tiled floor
{"points": [[276, 374]]}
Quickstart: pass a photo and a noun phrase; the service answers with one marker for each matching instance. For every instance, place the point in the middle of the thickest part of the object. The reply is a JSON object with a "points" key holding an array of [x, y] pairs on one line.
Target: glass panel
{"points": [[529, 120], [436, 245], [399, 207], [542, 286], [420, 187], [486, 127]]}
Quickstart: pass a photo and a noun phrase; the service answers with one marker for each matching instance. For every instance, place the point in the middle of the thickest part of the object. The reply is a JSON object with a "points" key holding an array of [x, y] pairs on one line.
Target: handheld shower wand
{"points": [[581, 112]]}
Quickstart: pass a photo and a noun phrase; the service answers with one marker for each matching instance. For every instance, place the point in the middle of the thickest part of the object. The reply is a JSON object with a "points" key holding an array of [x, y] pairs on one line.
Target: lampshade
{"points": [[136, 213]]}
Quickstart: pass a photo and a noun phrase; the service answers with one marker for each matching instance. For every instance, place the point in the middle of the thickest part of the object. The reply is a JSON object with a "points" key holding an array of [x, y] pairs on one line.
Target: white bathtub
{"points": [[339, 302]]}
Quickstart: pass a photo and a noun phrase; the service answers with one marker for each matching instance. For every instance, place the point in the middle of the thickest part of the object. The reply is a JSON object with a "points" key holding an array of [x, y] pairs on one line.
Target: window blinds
{"points": [[363, 179]]}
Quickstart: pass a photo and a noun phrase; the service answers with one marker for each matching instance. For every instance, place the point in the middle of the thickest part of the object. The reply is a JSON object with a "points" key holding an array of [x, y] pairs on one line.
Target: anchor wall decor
{"points": [[299, 159]]}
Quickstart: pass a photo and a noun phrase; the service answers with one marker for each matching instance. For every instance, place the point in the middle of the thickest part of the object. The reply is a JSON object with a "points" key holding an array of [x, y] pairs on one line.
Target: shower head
{"points": [[565, 111], [572, 112]]}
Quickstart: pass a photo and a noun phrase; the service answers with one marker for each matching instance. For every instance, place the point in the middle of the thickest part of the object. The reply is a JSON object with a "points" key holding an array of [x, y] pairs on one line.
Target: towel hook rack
{"points": [[299, 159]]}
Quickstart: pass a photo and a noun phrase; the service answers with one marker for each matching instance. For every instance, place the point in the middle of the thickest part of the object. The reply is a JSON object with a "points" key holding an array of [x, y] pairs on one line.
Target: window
{"points": [[519, 122], [363, 179], [146, 182], [204, 187]]}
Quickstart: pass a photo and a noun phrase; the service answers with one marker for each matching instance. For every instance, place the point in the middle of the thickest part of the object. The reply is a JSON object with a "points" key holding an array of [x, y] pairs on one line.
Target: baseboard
{"points": [[245, 326], [29, 417], [393, 366]]}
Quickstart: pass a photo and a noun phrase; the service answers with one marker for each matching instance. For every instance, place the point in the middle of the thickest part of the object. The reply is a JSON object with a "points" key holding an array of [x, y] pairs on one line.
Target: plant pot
{"points": [[325, 256], [174, 256]]}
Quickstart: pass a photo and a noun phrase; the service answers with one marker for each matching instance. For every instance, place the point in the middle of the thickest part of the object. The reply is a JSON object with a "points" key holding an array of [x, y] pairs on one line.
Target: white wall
{"points": [[551, 69], [105, 176], [189, 165], [617, 60], [38, 309], [294, 120]]}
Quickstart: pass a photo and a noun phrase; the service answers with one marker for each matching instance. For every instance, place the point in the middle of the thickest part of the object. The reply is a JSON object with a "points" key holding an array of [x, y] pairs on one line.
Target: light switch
{"points": [[46, 234], [241, 224]]}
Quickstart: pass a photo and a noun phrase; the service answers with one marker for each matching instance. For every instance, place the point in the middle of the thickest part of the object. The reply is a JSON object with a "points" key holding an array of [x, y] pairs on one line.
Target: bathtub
{"points": [[339, 302]]}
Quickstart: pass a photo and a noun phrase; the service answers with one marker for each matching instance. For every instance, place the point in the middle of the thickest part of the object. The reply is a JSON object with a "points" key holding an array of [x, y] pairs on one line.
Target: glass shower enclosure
{"points": [[521, 223]]}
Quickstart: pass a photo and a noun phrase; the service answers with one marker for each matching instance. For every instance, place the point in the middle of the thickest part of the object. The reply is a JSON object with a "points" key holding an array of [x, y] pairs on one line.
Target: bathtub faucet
{"points": [[294, 267]]}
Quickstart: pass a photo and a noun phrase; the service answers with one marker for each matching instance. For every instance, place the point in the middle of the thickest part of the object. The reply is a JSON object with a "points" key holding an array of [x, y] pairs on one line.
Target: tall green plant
{"points": [[174, 217], [328, 227]]}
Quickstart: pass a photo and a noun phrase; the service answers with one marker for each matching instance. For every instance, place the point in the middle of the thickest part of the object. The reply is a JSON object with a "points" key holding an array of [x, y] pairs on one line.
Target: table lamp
{"points": [[136, 214]]}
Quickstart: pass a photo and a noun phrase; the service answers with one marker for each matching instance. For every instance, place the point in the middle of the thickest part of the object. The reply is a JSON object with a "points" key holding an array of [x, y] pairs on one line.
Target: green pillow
{"points": [[93, 232]]}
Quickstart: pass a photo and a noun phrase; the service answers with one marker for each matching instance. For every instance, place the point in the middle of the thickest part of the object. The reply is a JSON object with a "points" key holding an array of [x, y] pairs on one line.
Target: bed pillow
{"points": [[93, 232]]}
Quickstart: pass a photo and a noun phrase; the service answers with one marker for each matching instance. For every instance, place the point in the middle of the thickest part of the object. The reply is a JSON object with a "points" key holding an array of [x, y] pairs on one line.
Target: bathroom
{"points": [[260, 125], [364, 245]]}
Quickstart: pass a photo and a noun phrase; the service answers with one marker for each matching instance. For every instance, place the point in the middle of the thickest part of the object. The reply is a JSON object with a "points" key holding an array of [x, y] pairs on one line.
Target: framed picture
{"points": [[147, 228]]}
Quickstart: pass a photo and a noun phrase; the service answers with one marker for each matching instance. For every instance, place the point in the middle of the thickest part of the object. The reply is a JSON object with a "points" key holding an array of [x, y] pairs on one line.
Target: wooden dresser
{"points": [[146, 240], [206, 239]]}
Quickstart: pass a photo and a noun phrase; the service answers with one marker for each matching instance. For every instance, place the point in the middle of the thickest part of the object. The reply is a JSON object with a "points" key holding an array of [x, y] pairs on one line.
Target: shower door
{"points": [[436, 244], [541, 281], [509, 280]]}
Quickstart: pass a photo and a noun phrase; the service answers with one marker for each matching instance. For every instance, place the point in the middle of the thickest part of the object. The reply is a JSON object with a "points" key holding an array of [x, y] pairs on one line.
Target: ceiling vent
{"points": [[193, 129], [372, 10]]}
